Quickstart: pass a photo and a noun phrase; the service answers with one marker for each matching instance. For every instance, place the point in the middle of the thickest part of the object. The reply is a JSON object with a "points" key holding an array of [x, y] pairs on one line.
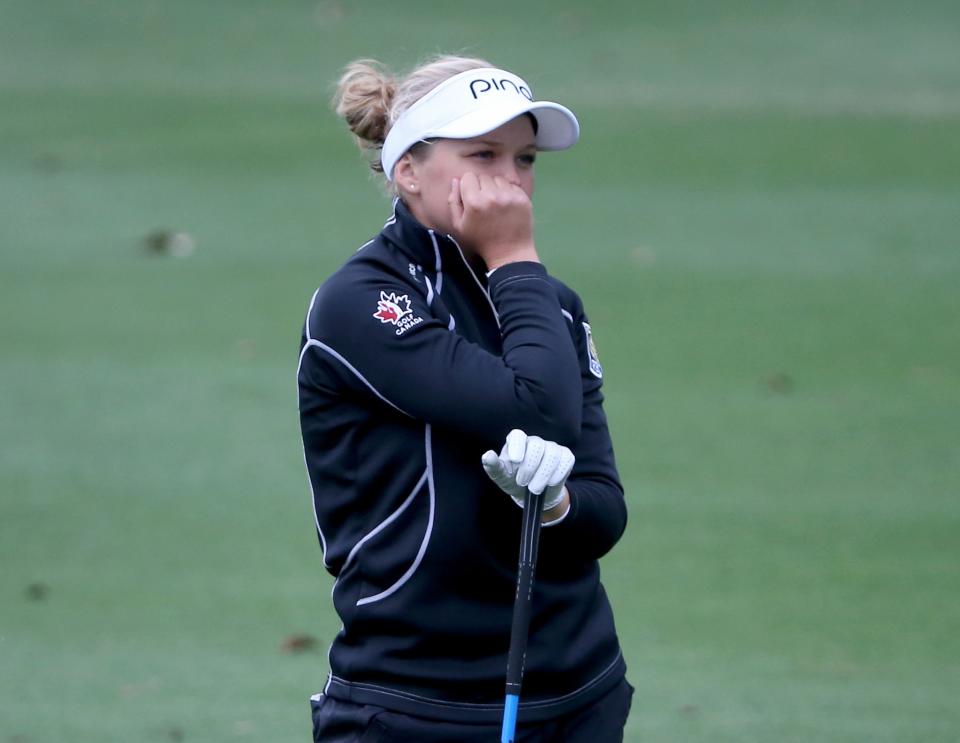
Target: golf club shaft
{"points": [[529, 542]]}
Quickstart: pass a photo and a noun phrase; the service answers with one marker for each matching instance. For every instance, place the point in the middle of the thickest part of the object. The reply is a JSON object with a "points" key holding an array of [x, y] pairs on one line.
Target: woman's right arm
{"points": [[429, 373]]}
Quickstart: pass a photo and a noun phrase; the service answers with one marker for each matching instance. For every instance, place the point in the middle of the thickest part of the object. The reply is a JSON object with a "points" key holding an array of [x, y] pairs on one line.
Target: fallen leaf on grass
{"points": [[299, 644], [36, 591], [779, 383], [169, 242]]}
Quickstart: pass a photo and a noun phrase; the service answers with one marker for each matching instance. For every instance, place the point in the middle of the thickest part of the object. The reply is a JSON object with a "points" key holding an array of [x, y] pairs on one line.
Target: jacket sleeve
{"points": [[598, 512], [375, 335]]}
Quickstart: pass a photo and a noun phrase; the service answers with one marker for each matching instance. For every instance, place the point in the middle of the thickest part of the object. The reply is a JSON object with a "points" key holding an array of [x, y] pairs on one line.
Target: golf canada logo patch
{"points": [[395, 309], [595, 367]]}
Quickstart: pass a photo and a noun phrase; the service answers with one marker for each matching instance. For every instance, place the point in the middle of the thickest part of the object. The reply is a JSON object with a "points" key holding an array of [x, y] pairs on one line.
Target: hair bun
{"points": [[370, 99], [364, 95]]}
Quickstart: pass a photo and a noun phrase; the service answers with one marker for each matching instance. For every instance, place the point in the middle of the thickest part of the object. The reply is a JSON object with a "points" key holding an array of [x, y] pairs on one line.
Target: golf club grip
{"points": [[529, 542]]}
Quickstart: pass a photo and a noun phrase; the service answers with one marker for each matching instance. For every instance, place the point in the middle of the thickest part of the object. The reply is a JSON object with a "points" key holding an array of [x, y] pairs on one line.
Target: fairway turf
{"points": [[761, 217]]}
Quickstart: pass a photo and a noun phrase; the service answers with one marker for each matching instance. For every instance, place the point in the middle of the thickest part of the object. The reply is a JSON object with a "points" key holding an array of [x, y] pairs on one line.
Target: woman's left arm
{"points": [[598, 513]]}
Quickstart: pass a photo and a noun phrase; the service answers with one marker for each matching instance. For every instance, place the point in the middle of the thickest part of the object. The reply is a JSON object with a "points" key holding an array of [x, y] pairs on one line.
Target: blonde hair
{"points": [[370, 98]]}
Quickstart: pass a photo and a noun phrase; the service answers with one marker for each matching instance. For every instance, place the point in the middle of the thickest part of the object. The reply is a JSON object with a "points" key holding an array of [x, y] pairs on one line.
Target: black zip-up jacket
{"points": [[412, 364]]}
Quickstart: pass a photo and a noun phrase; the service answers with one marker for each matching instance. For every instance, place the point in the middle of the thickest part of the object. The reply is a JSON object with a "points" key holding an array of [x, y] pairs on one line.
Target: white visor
{"points": [[473, 103]]}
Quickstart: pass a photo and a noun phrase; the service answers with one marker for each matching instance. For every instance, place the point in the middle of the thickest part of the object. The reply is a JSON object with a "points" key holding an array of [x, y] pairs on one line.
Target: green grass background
{"points": [[763, 191]]}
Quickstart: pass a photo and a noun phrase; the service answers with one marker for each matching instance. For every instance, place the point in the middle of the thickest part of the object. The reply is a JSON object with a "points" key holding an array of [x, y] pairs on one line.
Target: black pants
{"points": [[344, 722]]}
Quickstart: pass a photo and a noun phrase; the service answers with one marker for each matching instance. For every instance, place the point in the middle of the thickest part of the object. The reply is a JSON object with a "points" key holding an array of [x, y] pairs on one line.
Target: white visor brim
{"points": [[459, 108]]}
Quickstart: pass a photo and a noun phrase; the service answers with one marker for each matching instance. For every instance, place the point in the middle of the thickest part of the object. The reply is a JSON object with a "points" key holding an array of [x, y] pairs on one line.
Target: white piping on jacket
{"points": [[303, 445], [439, 266], [496, 315], [386, 522], [426, 537], [311, 343], [429, 290], [393, 217], [453, 323]]}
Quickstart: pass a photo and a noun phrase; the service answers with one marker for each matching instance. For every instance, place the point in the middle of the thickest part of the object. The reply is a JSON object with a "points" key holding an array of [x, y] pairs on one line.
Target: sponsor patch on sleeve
{"points": [[394, 309], [595, 368]]}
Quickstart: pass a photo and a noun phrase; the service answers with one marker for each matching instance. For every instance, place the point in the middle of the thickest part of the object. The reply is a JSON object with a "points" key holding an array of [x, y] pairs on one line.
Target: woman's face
{"points": [[423, 180]]}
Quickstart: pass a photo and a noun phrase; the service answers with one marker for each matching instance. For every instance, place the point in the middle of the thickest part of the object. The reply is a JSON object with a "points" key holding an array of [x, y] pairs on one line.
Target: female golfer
{"points": [[442, 369]]}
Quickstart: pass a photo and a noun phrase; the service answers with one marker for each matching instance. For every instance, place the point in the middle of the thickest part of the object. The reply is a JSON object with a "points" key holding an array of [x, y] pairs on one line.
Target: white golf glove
{"points": [[530, 463]]}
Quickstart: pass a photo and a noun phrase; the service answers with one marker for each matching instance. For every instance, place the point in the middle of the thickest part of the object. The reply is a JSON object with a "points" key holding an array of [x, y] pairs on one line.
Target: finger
{"points": [[469, 186], [547, 467], [508, 466], [494, 469], [522, 196], [455, 200], [564, 467], [516, 445], [531, 460]]}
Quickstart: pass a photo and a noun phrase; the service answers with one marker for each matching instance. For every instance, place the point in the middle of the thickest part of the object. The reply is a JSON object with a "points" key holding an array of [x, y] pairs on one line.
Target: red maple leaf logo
{"points": [[391, 307]]}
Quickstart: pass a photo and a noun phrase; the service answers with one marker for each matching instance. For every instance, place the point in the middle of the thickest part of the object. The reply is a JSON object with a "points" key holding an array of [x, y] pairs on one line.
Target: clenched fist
{"points": [[492, 217], [531, 463]]}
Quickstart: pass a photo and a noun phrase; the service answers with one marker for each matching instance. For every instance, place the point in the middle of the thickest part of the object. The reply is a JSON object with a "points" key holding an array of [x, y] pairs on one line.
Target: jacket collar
{"points": [[421, 244], [432, 250]]}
